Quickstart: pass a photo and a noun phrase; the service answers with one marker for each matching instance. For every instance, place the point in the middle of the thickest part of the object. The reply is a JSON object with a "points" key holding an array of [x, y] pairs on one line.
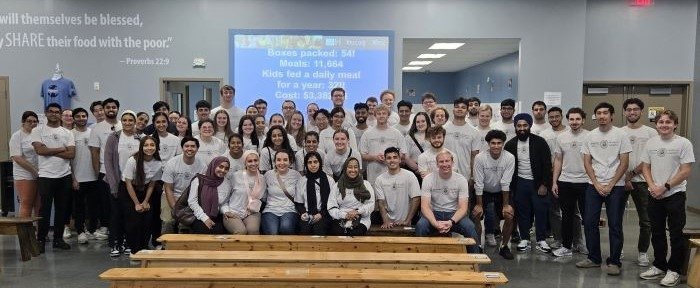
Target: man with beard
{"points": [[97, 142], [605, 157], [85, 185], [177, 174], [531, 180], [361, 114], [55, 146], [506, 122], [426, 160], [554, 115], [569, 182], [473, 105], [338, 99], [538, 111], [635, 183], [462, 138]]}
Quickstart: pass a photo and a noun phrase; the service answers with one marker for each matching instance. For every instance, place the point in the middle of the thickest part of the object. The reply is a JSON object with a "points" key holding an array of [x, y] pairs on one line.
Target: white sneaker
{"points": [[580, 248], [671, 279], [543, 247], [490, 240], [524, 245], [652, 273], [66, 233], [82, 238], [90, 236], [103, 230], [555, 244], [622, 254], [562, 251], [643, 259]]}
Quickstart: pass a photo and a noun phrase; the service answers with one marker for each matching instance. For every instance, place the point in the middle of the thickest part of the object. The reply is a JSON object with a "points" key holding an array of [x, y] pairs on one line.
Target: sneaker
{"points": [[671, 279], [524, 245], [159, 247], [543, 247], [83, 238], [652, 273], [90, 236], [127, 250], [643, 259], [61, 245], [555, 244], [580, 248], [612, 269], [562, 251], [505, 253], [115, 252], [587, 263], [66, 233], [490, 240], [103, 230], [100, 236]]}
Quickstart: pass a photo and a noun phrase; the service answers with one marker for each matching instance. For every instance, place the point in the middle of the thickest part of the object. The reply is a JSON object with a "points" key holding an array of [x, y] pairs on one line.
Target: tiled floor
{"points": [[80, 266]]}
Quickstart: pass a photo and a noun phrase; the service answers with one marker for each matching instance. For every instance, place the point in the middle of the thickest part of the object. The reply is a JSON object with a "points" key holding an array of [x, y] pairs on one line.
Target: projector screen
{"points": [[304, 66]]}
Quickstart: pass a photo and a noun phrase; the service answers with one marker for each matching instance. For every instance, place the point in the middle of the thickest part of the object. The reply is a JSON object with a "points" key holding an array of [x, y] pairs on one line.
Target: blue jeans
{"points": [[464, 227], [272, 224], [529, 204], [615, 208]]}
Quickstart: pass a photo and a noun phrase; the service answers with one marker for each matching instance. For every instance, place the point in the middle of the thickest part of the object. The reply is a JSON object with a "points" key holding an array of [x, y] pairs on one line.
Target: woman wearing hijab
{"points": [[311, 198], [244, 204], [351, 202], [209, 194]]}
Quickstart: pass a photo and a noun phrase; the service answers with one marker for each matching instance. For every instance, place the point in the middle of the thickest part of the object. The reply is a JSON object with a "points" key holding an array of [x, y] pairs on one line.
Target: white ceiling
{"points": [[475, 52]]}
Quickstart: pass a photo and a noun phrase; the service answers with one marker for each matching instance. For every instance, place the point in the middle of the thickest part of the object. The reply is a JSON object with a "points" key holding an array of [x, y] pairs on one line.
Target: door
{"points": [[183, 93], [660, 96], [5, 118]]}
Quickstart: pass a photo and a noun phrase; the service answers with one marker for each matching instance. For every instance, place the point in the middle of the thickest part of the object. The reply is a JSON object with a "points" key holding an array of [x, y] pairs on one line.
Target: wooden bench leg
{"points": [[694, 272], [34, 244], [25, 243]]}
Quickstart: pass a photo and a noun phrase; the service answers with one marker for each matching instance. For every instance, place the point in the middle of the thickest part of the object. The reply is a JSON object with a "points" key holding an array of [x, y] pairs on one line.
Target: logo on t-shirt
{"points": [[632, 139], [52, 91], [604, 144], [661, 152], [55, 137]]}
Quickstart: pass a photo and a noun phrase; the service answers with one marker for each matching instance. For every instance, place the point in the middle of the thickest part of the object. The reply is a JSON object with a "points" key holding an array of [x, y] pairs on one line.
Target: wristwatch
{"points": [[453, 221], [668, 186]]}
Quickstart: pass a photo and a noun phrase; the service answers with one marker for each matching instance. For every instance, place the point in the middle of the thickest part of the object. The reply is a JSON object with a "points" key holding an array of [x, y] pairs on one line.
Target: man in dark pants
{"points": [[55, 146], [531, 181]]}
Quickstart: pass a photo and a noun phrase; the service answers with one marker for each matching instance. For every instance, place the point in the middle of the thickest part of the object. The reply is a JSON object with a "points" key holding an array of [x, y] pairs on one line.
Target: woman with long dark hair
{"points": [[246, 128], [351, 202], [280, 215], [184, 127], [311, 198], [275, 141]]}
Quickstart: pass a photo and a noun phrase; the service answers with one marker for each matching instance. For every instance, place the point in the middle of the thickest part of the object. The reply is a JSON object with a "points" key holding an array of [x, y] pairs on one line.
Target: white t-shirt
{"points": [[178, 173], [605, 149], [152, 170], [236, 164], [397, 190], [393, 119], [473, 121], [234, 114], [53, 166], [483, 145], [277, 202], [493, 175], [248, 144], [98, 138], [242, 185], [82, 162], [569, 146], [169, 147], [195, 128], [413, 151], [223, 191], [550, 137], [638, 139], [210, 150], [403, 128], [334, 161], [21, 145], [375, 141], [665, 158], [358, 133], [462, 140], [127, 147], [524, 165], [338, 206], [300, 196], [444, 193], [538, 128], [326, 143], [426, 160], [508, 128], [292, 142], [299, 159]]}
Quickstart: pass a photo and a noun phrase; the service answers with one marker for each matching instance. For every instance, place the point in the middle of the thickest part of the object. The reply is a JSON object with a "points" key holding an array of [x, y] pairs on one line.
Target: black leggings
{"points": [[136, 224], [338, 230], [198, 227]]}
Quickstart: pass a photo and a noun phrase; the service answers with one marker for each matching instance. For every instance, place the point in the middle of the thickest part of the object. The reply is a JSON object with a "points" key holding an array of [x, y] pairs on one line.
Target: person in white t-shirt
{"points": [[404, 111], [326, 135], [227, 94], [86, 197], [246, 128], [177, 174], [361, 114], [98, 112], [539, 109], [25, 168], [428, 101], [338, 99], [203, 110], [417, 142], [569, 182], [397, 192], [234, 153], [209, 146], [506, 122], [296, 128], [444, 202], [554, 116], [243, 215], [183, 126], [371, 107], [311, 197], [605, 157], [275, 141], [351, 202], [333, 163], [139, 178], [310, 145], [473, 104], [280, 216], [426, 160], [484, 126], [667, 162], [439, 116], [208, 197], [375, 140], [387, 98], [168, 147], [55, 146], [635, 185], [311, 109], [261, 105], [462, 138]]}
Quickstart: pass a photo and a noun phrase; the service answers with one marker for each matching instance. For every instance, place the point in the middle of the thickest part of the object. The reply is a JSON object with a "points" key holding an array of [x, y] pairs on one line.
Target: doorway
{"points": [[656, 96], [183, 93], [5, 119]]}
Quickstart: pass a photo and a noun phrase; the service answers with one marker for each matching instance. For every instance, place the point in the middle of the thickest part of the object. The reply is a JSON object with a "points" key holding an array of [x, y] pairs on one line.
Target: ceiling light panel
{"points": [[446, 46], [430, 56]]}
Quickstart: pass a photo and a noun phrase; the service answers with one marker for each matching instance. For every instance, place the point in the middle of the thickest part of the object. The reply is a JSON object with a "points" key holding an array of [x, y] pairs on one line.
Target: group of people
{"points": [[131, 176]]}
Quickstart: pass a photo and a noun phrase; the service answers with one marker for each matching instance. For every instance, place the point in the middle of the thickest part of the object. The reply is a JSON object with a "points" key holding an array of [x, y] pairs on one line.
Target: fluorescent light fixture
{"points": [[446, 46], [411, 68], [419, 63], [430, 56]]}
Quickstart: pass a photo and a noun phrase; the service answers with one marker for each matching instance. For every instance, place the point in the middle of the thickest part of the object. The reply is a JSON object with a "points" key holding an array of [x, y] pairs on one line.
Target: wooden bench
{"points": [[26, 234], [405, 231], [688, 234], [311, 259], [296, 277], [315, 243], [694, 271]]}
